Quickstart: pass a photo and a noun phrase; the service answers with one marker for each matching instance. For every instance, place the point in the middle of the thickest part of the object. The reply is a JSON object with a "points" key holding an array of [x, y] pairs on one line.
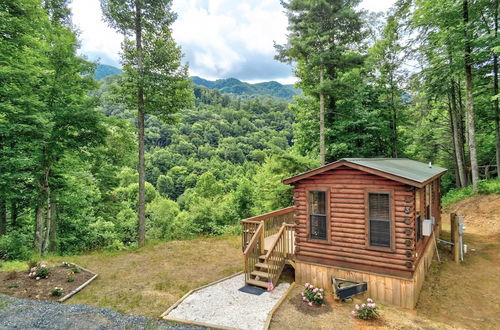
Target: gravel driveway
{"points": [[32, 314]]}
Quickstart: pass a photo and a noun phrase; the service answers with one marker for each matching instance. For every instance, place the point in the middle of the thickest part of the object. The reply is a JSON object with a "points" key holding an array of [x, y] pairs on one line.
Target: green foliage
{"points": [[16, 245], [57, 292], [71, 277], [42, 271], [485, 187], [237, 87]]}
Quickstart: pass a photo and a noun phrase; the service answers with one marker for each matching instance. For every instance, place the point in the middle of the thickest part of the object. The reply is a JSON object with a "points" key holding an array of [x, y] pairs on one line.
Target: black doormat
{"points": [[252, 290]]}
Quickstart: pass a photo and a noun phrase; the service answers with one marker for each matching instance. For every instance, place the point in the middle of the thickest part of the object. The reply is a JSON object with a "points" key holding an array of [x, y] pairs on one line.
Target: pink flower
{"points": [[310, 304], [353, 313], [370, 305], [307, 285], [304, 298], [363, 305], [321, 290], [302, 293], [370, 300], [357, 306], [315, 290]]}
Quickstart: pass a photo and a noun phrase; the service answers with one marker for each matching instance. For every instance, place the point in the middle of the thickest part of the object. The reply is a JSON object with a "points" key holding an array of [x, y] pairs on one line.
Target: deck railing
{"points": [[279, 251], [253, 250], [272, 223]]}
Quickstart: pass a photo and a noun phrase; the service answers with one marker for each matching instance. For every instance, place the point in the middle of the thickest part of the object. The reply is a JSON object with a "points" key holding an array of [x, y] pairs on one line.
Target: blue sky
{"points": [[220, 38]]}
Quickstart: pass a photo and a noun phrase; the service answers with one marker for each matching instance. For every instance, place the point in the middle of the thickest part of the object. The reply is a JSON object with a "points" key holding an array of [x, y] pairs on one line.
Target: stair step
{"points": [[259, 274], [262, 284], [262, 265]]}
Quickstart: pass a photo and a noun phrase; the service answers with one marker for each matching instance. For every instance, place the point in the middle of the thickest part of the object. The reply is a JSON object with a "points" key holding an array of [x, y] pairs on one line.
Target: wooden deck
{"points": [[268, 241]]}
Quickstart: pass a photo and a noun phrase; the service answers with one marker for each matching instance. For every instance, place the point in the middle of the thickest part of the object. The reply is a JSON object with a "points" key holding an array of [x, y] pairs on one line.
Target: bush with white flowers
{"points": [[366, 311], [313, 295]]}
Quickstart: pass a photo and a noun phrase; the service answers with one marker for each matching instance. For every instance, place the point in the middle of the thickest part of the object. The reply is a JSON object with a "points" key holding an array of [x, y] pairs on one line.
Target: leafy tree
{"points": [[155, 82], [322, 34]]}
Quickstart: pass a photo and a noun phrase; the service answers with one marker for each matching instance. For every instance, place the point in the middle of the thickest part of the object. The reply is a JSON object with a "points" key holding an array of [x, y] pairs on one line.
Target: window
{"points": [[317, 215], [418, 218], [379, 219], [428, 201]]}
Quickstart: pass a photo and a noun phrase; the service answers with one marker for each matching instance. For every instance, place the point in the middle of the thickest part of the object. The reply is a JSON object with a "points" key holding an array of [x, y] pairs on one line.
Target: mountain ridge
{"points": [[231, 85]]}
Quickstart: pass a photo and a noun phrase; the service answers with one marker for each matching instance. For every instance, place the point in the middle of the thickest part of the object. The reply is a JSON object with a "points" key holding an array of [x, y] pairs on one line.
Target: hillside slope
{"points": [[467, 295], [237, 87]]}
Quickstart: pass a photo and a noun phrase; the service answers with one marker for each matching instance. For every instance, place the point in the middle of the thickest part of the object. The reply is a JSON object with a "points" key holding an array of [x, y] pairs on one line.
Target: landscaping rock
{"points": [[26, 314]]}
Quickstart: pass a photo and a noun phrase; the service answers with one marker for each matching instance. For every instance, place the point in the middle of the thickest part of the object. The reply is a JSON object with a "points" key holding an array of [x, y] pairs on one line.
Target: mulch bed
{"points": [[19, 284], [313, 310]]}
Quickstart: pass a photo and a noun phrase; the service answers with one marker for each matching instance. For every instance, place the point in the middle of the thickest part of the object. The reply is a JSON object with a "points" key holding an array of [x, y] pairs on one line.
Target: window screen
{"points": [[317, 214], [379, 219]]}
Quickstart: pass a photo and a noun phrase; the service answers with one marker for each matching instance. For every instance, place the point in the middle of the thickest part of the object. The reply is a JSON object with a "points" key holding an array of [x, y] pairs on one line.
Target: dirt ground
{"points": [[455, 296], [19, 284]]}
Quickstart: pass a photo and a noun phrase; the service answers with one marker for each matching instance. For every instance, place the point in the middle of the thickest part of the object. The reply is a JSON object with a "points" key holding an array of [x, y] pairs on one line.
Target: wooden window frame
{"points": [[392, 220], [328, 239]]}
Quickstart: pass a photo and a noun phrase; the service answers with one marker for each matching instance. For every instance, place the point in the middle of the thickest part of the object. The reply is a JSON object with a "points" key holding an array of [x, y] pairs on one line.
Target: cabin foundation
{"points": [[390, 290]]}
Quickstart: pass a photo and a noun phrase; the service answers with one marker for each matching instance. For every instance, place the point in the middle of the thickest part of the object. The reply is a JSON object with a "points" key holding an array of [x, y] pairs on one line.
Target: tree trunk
{"points": [[52, 234], [13, 214], [39, 229], [321, 118], [457, 141], [495, 93], [3, 216], [469, 101], [141, 212], [47, 222], [458, 183]]}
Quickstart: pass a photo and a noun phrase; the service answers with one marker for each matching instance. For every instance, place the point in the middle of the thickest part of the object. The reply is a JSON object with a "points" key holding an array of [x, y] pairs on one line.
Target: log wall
{"points": [[348, 235]]}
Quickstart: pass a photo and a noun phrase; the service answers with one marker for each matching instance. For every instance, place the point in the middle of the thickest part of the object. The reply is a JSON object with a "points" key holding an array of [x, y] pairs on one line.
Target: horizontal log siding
{"points": [[348, 222]]}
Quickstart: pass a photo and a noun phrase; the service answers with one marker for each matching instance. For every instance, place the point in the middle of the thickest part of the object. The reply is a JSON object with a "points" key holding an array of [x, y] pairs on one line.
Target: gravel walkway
{"points": [[33, 314], [222, 304]]}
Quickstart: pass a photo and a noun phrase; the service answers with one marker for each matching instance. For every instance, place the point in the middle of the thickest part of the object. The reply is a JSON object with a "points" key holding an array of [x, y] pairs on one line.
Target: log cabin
{"points": [[359, 219]]}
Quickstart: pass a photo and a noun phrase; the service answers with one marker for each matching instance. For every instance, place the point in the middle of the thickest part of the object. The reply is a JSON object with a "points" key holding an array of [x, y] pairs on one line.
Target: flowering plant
{"points": [[313, 295], [38, 272], [366, 311]]}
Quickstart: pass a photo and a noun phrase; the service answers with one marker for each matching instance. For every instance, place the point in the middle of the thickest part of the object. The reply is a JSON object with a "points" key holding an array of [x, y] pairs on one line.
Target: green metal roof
{"points": [[402, 167], [409, 171]]}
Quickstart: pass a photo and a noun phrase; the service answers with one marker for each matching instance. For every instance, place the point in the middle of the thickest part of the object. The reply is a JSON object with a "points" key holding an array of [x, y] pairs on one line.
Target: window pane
{"points": [[318, 202], [379, 206], [318, 226], [380, 233]]}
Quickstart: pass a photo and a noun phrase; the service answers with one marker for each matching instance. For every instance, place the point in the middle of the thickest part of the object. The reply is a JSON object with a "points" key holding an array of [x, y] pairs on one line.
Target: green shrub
{"points": [[75, 269], [491, 186], [70, 277], [16, 246], [57, 292], [13, 286], [42, 272]]}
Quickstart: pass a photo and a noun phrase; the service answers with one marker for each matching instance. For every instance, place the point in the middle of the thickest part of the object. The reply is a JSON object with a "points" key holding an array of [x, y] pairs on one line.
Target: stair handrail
{"points": [[255, 238], [275, 266]]}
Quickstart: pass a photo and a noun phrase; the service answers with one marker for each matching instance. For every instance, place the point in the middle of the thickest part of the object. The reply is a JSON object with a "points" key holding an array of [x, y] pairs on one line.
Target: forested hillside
{"points": [[419, 82], [237, 87]]}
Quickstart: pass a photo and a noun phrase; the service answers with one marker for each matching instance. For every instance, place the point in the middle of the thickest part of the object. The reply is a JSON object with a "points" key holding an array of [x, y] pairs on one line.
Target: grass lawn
{"points": [[147, 281]]}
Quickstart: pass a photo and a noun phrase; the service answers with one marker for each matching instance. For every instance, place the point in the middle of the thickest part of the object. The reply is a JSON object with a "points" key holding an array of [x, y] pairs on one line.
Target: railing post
{"points": [[263, 238]]}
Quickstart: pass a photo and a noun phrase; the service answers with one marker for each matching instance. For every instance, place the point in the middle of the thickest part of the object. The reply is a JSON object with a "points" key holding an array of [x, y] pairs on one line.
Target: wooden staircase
{"points": [[260, 276], [267, 244]]}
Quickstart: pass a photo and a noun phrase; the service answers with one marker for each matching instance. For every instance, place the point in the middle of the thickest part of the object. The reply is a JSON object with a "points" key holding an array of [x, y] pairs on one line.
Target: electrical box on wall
{"points": [[427, 227]]}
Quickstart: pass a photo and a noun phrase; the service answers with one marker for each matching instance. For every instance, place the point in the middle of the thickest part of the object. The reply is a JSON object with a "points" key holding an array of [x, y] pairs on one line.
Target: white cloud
{"points": [[220, 38]]}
